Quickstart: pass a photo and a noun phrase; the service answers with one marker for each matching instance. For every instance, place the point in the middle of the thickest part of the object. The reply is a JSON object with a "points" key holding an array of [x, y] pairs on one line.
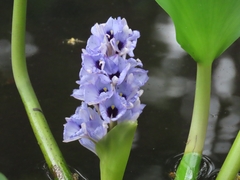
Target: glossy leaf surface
{"points": [[204, 28]]}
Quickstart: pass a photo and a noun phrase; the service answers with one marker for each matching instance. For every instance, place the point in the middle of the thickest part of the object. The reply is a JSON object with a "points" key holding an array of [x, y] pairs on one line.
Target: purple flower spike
{"points": [[109, 85]]}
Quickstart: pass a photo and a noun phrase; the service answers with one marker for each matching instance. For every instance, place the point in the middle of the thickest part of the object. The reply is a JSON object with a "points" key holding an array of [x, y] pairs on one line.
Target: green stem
{"points": [[39, 125], [193, 151], [231, 165], [200, 115]]}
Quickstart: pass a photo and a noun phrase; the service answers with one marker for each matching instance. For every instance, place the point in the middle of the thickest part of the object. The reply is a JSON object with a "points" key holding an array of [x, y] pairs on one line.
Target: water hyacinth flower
{"points": [[109, 86]]}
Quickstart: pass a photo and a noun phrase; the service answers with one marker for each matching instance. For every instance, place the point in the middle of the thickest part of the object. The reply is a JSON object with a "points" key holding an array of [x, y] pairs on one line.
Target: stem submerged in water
{"points": [[189, 165]]}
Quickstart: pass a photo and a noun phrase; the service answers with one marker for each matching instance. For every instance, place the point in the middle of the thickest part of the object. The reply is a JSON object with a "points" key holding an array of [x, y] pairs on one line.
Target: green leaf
{"points": [[204, 28], [2, 177], [114, 149]]}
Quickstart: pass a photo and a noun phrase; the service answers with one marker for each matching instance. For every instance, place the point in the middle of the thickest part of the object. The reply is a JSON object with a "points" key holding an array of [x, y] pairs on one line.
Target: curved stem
{"points": [[189, 165], [39, 125], [231, 165]]}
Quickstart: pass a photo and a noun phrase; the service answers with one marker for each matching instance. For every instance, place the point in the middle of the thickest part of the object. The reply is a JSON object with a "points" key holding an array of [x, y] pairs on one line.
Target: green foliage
{"points": [[2, 177], [114, 149], [204, 28]]}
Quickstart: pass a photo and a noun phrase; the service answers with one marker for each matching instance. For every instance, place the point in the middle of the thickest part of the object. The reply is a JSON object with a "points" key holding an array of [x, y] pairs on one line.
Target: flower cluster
{"points": [[109, 85]]}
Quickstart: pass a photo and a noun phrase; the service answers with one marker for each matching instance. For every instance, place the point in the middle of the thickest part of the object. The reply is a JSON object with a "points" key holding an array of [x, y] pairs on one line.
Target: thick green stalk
{"points": [[189, 165], [231, 165], [200, 115], [39, 125]]}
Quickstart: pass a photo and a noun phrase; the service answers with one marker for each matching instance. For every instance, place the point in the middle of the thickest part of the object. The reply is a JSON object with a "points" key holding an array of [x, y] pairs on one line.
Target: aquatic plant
{"points": [[109, 88], [204, 29], [110, 82]]}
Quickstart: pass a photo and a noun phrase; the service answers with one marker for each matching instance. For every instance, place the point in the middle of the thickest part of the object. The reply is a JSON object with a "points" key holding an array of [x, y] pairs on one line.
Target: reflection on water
{"points": [[228, 126], [212, 125], [5, 56], [165, 32], [151, 173], [166, 86], [224, 77], [166, 81], [223, 125]]}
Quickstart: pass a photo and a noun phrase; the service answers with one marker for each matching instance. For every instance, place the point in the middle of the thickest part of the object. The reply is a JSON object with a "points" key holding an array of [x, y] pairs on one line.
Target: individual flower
{"points": [[86, 126], [72, 129], [140, 75], [113, 108], [116, 68], [133, 113], [94, 93], [92, 63], [129, 90]]}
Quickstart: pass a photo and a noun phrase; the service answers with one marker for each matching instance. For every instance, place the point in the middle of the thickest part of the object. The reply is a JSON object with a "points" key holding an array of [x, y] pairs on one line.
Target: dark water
{"points": [[54, 66]]}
